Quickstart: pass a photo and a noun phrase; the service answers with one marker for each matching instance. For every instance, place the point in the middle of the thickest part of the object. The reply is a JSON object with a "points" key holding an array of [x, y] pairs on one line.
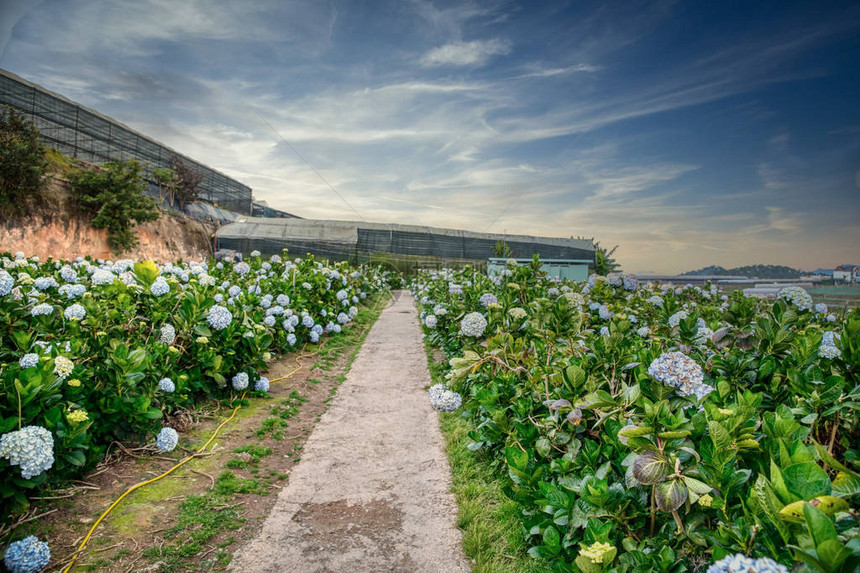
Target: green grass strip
{"points": [[490, 521]]}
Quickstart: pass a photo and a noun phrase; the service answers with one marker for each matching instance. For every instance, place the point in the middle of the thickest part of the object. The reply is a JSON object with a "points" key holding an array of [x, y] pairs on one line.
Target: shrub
{"points": [[654, 427], [113, 195], [22, 162]]}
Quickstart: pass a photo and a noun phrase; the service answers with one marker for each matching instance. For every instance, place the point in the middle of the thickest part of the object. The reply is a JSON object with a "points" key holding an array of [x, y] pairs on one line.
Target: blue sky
{"points": [[688, 133]]}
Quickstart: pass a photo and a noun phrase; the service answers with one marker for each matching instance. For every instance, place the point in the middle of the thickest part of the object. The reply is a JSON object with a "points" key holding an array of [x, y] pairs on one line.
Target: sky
{"points": [[686, 133]]}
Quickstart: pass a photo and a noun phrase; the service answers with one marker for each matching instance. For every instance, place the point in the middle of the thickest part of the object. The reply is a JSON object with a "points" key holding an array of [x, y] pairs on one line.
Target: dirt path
{"points": [[372, 491]]}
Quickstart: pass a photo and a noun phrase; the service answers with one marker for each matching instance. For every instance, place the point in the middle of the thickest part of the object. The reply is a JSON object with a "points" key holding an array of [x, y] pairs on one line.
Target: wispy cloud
{"points": [[585, 117], [474, 53], [553, 72]]}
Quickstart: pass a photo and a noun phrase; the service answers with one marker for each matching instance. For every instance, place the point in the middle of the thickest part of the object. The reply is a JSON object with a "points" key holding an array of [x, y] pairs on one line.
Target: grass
{"points": [[201, 518], [281, 412], [493, 537]]}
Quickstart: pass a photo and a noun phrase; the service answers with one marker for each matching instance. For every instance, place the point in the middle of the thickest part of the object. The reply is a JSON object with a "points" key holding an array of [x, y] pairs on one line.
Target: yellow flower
{"points": [[706, 500], [172, 350], [77, 416], [725, 411], [595, 551], [202, 340], [74, 382], [267, 356]]}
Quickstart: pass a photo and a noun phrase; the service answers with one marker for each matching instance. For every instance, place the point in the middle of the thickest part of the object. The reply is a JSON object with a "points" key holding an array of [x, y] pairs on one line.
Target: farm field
{"points": [[100, 356], [652, 429]]}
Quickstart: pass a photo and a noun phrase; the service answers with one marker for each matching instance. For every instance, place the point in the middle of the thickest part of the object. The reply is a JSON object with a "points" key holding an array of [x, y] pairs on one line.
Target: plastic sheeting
{"points": [[86, 134], [344, 239]]}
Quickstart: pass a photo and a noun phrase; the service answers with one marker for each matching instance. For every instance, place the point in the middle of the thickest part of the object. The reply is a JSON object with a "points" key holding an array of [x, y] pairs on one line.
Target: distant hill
{"points": [[752, 271]]}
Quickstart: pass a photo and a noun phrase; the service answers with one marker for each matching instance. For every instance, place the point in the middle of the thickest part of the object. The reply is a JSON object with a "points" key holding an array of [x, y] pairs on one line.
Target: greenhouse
{"points": [[349, 240], [88, 135]]}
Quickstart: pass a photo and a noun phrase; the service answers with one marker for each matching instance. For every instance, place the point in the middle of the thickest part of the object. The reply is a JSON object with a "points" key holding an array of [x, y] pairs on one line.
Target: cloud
{"points": [[476, 52], [553, 72]]}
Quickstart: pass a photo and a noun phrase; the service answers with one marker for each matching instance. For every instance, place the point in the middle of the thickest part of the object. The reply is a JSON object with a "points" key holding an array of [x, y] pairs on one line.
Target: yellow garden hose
{"points": [[171, 470]]}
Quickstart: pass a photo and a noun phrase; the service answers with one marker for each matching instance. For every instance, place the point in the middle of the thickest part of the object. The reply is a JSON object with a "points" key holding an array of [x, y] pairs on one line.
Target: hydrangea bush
{"points": [[656, 427], [95, 351]]}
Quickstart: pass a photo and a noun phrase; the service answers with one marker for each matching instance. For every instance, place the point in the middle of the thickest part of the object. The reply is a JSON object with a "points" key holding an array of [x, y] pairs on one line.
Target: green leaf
{"points": [[719, 435], [574, 376], [820, 526], [670, 495], [806, 480], [771, 506], [833, 553], [543, 446], [516, 458], [552, 539], [146, 273], [650, 468]]}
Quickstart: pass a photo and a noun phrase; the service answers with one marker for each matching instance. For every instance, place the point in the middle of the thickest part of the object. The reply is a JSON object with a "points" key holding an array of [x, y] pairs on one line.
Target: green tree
{"points": [[113, 196], [166, 180], [188, 182], [604, 262], [23, 165], [502, 249]]}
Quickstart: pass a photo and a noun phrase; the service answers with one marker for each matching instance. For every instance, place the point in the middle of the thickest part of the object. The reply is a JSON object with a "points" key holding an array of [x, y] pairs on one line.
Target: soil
{"points": [[372, 492], [140, 522]]}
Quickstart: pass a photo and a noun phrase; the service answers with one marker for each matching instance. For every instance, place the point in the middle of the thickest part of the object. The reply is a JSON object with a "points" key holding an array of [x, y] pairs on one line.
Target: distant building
{"points": [[846, 273]]}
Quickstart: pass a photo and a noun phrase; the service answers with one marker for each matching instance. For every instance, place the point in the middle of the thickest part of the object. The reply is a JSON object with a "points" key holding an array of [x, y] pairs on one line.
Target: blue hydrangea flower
{"points": [[473, 324], [159, 287], [44, 283], [262, 385], [219, 297], [31, 448], [307, 321], [797, 296], [604, 313], [42, 309], [75, 312], [314, 337], [167, 440], [68, 274], [29, 360], [276, 310], [676, 318], [166, 385], [488, 298], [167, 334], [102, 277], [242, 268], [681, 372], [444, 400], [234, 291], [72, 290], [266, 302], [342, 318], [219, 317], [341, 294], [269, 320], [740, 563], [28, 555], [291, 339], [240, 381], [6, 283], [317, 328], [283, 300]]}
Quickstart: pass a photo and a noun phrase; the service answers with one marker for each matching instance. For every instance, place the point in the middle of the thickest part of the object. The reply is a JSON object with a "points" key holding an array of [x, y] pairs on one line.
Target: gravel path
{"points": [[372, 490]]}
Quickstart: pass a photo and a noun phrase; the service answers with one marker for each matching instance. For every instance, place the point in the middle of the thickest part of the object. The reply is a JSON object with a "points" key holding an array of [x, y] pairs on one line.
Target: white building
{"points": [[846, 274]]}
